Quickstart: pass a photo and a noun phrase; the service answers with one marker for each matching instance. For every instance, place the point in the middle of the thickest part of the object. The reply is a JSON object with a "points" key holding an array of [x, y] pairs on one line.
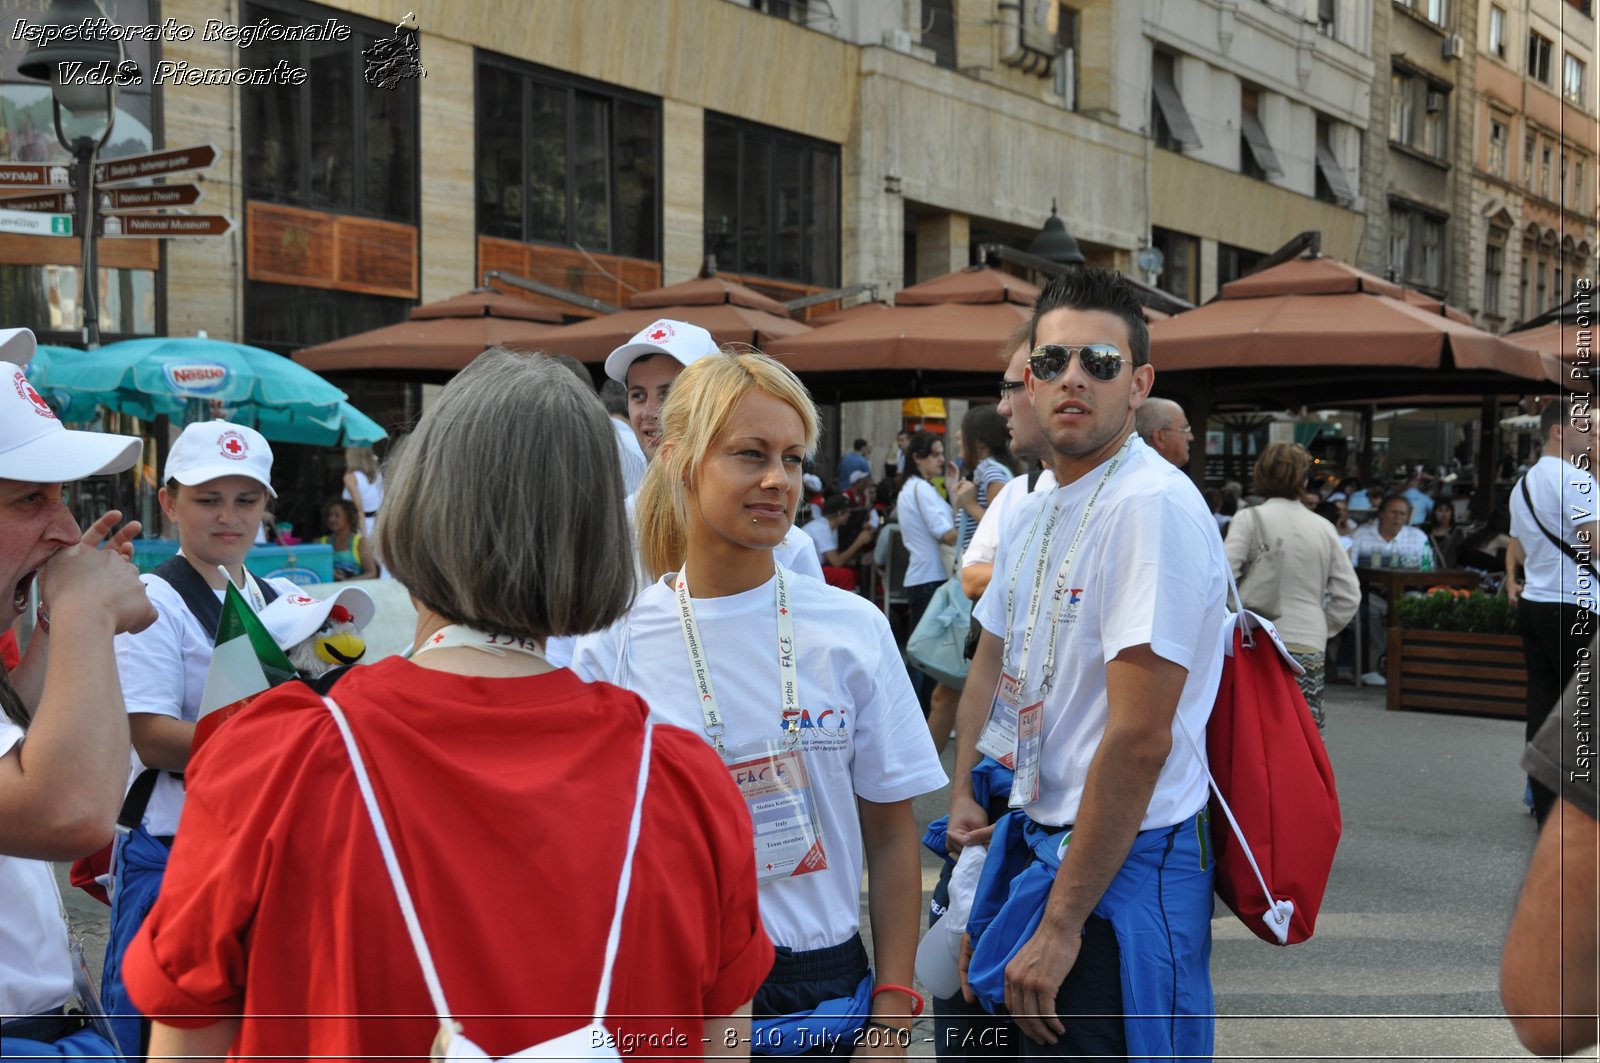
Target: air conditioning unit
{"points": [[1435, 102], [898, 40], [1454, 46]]}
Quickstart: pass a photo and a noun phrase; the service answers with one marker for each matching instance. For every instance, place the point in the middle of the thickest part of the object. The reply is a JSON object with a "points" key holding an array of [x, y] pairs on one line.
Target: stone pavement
{"points": [[1405, 961]]}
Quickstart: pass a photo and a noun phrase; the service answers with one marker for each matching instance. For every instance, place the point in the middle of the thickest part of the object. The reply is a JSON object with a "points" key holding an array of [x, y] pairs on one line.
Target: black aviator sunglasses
{"points": [[1100, 360]]}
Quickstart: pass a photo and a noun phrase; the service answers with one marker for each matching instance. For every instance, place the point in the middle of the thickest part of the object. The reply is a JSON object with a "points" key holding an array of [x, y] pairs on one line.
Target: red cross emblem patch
{"points": [[232, 445], [660, 332], [31, 397]]}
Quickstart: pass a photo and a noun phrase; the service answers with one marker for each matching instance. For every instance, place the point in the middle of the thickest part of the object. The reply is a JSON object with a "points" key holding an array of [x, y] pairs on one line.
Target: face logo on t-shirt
{"points": [[827, 729]]}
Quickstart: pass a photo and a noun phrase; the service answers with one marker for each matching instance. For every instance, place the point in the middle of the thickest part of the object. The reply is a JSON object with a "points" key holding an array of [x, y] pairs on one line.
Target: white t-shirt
{"points": [[630, 455], [1149, 571], [35, 968], [824, 536], [371, 498], [163, 672], [1564, 496], [924, 517], [861, 728], [986, 538]]}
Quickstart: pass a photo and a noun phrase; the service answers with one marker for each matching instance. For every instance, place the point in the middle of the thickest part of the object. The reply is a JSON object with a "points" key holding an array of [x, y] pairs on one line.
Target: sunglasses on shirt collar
{"points": [[1100, 360]]}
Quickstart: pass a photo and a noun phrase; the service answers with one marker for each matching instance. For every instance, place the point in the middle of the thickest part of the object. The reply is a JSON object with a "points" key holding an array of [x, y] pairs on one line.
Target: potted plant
{"points": [[1456, 651]]}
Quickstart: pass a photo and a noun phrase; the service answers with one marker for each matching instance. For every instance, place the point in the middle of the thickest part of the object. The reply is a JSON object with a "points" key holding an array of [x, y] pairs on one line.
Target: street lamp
{"points": [[84, 117], [1054, 243]]}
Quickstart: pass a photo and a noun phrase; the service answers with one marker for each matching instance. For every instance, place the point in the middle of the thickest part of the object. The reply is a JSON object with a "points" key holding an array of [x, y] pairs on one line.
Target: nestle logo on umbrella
{"points": [[199, 378]]}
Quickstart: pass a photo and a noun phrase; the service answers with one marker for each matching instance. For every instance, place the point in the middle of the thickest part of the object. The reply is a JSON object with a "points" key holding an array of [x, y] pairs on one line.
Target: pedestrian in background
{"points": [[363, 484], [307, 834], [926, 524], [1291, 568]]}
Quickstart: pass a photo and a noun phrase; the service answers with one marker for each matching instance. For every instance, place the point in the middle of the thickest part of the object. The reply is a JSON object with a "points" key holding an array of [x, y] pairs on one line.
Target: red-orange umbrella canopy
{"points": [[439, 337], [1318, 315], [731, 312]]}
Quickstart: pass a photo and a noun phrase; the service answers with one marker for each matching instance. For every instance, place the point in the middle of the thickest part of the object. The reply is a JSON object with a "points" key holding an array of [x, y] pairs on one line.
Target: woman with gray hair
{"points": [[457, 833]]}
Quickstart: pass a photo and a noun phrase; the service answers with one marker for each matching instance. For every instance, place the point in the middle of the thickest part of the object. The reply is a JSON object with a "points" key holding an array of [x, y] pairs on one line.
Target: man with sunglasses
{"points": [[1105, 616]]}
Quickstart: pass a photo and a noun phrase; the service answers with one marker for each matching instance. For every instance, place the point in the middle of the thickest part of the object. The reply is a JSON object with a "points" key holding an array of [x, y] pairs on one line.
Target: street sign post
{"points": [[50, 202], [153, 164], [36, 174], [153, 197], [117, 225], [35, 224]]}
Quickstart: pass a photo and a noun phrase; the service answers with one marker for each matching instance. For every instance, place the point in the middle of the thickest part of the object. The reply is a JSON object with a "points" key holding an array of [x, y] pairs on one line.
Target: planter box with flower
{"points": [[1456, 651]]}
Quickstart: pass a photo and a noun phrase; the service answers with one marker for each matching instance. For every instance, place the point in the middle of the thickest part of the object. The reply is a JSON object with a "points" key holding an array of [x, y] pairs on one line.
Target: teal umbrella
{"points": [[348, 427], [191, 378], [72, 407]]}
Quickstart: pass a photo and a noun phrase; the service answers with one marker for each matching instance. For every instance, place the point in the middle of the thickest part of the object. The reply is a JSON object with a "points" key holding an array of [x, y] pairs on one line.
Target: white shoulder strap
{"points": [[408, 910]]}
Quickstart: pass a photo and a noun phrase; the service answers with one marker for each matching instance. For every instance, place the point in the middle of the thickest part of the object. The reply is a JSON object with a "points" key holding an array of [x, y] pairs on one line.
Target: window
{"points": [[1437, 11], [771, 202], [1522, 292], [1540, 288], [333, 142], [1561, 185], [1332, 185], [1539, 58], [1402, 101], [1327, 17], [1416, 246], [1572, 79], [1497, 32], [1066, 81], [1493, 268], [1499, 133], [1180, 263], [792, 10], [939, 20], [563, 160], [48, 299], [1435, 139], [1527, 161], [1577, 181], [1256, 157], [1170, 126], [1544, 172], [1235, 262]]}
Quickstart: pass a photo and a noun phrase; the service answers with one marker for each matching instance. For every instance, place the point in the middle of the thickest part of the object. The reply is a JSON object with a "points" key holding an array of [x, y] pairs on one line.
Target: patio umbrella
{"points": [[189, 378], [1559, 339], [729, 311], [345, 427], [1318, 330], [440, 337]]}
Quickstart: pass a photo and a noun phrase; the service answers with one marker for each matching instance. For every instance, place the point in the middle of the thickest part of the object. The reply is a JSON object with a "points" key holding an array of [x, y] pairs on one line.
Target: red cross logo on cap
{"points": [[301, 599], [233, 446], [661, 332], [31, 397]]}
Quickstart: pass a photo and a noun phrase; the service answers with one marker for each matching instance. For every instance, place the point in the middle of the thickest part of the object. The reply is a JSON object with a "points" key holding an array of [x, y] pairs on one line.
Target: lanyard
{"points": [[1061, 576], [695, 646], [461, 635]]}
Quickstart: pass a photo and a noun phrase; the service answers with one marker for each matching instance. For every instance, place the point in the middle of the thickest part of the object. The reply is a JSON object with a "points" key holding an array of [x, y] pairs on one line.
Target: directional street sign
{"points": [[152, 198], [33, 224], [52, 202], [152, 164], [167, 225], [36, 174]]}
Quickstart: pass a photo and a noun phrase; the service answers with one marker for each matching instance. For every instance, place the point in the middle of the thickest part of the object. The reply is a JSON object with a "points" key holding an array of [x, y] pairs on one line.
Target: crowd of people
{"points": [[647, 741]]}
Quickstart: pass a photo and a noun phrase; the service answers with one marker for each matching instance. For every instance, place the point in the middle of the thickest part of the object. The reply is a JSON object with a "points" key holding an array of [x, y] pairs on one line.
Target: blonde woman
{"points": [[799, 687], [363, 484]]}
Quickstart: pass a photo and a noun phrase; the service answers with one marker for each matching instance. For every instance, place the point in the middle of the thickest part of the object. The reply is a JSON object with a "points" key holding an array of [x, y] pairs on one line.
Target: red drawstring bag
{"points": [[1272, 783]]}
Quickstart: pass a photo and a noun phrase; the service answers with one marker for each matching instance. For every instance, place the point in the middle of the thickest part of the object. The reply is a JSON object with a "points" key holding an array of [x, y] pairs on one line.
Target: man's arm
{"points": [[1547, 973], [161, 741], [1142, 693], [969, 821], [1514, 558], [975, 579]]}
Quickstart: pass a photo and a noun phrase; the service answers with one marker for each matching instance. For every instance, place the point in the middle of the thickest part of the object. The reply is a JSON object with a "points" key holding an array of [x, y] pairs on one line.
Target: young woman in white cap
{"points": [[218, 481], [63, 734], [798, 686]]}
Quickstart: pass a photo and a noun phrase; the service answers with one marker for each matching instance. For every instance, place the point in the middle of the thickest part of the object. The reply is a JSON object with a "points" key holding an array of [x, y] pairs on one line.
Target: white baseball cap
{"points": [[210, 450], [683, 341], [35, 446], [939, 952], [293, 618]]}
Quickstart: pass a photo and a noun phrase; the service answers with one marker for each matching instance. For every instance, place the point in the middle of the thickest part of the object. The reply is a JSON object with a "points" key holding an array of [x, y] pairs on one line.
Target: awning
{"points": [[1173, 112], [1260, 147], [1333, 173]]}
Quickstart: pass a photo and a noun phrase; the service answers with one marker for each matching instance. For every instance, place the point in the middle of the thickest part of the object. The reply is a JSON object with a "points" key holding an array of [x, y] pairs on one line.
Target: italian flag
{"points": [[245, 663]]}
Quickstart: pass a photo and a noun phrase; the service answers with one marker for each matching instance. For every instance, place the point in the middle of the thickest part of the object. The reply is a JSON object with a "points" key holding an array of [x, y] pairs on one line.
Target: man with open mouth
{"points": [[63, 736]]}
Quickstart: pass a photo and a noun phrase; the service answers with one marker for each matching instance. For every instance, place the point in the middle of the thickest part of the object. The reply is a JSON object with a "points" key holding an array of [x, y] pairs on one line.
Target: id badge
{"points": [[1030, 732], [998, 739], [777, 788]]}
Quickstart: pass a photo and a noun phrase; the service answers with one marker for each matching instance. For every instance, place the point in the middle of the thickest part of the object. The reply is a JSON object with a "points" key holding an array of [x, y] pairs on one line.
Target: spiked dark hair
{"points": [[1093, 288]]}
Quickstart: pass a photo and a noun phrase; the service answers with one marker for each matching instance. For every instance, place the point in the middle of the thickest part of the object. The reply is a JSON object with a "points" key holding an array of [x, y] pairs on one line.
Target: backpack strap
{"points": [[1033, 477], [1561, 544], [198, 595]]}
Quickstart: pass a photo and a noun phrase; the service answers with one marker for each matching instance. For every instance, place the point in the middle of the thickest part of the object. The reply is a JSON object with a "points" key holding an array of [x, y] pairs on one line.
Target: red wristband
{"points": [[916, 997]]}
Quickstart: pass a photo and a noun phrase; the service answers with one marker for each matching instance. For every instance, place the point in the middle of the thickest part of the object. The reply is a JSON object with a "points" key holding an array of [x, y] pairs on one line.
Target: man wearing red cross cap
{"points": [[64, 735]]}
